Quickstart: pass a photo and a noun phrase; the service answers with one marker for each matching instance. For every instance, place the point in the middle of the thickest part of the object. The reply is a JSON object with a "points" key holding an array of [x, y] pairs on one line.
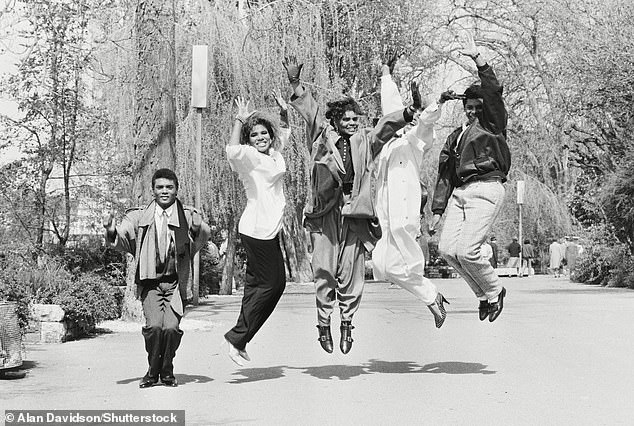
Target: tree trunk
{"points": [[294, 248], [155, 115], [230, 254]]}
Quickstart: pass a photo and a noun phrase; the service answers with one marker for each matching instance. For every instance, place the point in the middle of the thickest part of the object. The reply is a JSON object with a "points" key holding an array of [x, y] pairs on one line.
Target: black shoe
{"points": [[148, 381], [169, 381], [346, 336], [325, 338], [484, 309], [496, 308], [438, 310]]}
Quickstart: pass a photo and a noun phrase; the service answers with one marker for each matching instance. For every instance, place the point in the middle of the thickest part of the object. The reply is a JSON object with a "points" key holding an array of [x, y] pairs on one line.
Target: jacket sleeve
{"points": [[444, 187], [494, 114], [423, 133], [390, 97], [125, 234], [309, 110], [385, 130], [200, 239]]}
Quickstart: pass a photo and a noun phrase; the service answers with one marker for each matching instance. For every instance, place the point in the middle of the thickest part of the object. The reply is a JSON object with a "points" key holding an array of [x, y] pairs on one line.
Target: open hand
{"points": [[390, 57], [470, 49], [108, 222], [277, 95], [293, 69], [243, 109], [449, 95], [417, 101]]}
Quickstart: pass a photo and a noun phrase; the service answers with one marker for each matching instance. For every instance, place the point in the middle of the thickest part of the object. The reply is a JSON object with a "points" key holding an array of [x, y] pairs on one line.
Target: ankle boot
{"points": [[325, 338], [346, 336]]}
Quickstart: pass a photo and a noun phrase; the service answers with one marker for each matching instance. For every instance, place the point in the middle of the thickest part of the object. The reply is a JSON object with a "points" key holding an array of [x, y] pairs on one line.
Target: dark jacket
{"points": [[326, 165], [482, 152]]}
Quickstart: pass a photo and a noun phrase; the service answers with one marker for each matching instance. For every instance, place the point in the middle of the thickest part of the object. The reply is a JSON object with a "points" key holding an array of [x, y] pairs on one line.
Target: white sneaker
{"points": [[244, 355], [233, 353]]}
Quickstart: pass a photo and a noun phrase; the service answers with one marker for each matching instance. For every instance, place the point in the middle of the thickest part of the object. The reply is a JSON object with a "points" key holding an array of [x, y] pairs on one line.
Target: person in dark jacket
{"points": [[472, 167], [339, 213], [528, 254], [514, 249]]}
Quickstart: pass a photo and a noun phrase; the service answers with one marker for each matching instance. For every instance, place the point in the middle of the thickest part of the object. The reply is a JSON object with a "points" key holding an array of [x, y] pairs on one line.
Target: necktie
{"points": [[163, 236]]}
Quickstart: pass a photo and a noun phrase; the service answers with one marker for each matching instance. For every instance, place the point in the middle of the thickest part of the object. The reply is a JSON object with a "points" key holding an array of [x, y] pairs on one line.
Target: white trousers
{"points": [[398, 259], [470, 213]]}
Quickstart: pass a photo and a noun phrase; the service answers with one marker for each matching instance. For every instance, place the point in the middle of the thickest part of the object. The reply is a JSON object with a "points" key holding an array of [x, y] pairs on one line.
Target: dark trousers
{"points": [[161, 332], [265, 283]]}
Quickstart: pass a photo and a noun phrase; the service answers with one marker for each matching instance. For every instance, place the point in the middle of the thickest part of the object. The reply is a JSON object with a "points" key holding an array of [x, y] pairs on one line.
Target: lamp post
{"points": [[520, 202], [199, 102]]}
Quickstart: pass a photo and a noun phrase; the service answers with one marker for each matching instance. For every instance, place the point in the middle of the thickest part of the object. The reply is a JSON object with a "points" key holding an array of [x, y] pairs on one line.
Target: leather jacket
{"points": [[478, 151]]}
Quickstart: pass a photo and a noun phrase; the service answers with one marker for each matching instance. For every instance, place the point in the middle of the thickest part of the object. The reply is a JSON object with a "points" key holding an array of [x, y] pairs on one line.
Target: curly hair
{"points": [[271, 126], [335, 110]]}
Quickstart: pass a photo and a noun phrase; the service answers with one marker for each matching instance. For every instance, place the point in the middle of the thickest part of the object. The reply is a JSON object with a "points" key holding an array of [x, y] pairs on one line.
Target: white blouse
{"points": [[263, 179]]}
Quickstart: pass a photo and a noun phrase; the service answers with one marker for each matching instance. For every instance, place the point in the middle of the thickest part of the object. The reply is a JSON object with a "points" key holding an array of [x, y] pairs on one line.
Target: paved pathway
{"points": [[560, 354]]}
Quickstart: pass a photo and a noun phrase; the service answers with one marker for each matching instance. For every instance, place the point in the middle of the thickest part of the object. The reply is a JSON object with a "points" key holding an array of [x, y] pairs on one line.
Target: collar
{"points": [[158, 211], [149, 213]]}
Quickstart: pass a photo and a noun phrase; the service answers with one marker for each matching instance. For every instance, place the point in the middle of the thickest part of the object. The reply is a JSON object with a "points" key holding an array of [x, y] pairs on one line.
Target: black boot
{"points": [[325, 338], [346, 336]]}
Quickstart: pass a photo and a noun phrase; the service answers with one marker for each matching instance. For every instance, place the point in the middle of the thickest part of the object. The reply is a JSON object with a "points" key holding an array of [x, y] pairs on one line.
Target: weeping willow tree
{"points": [[246, 48], [341, 45]]}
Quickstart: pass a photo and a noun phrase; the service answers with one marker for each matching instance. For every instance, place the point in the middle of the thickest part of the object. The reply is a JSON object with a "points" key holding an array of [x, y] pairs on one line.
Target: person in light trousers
{"points": [[472, 168]]}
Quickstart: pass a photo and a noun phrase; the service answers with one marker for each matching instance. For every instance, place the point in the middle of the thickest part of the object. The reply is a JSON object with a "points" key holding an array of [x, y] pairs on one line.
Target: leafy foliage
{"points": [[605, 261]]}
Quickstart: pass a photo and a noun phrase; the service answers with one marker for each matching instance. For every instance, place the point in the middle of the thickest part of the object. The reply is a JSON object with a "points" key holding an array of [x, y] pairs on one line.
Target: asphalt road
{"points": [[560, 354]]}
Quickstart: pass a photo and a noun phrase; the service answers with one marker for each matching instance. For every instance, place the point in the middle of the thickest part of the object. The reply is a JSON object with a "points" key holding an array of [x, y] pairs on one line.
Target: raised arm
{"points": [[494, 114], [391, 123], [304, 103], [293, 71], [285, 128], [241, 117], [390, 96]]}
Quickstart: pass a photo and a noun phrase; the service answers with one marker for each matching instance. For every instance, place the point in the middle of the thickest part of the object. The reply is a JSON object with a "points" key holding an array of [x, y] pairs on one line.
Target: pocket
{"points": [[484, 164]]}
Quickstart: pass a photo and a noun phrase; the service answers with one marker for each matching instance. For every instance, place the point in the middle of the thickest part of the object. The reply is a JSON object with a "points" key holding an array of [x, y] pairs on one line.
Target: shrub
{"points": [[89, 299], [12, 290], [14, 271], [210, 271], [605, 261]]}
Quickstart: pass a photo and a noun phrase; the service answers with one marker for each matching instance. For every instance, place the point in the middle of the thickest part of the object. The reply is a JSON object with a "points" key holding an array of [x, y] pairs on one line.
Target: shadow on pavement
{"points": [[454, 367], [17, 372], [183, 379], [373, 366]]}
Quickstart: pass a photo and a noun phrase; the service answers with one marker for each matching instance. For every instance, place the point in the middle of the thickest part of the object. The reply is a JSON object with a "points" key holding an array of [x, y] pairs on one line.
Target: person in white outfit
{"points": [[397, 257], [254, 152]]}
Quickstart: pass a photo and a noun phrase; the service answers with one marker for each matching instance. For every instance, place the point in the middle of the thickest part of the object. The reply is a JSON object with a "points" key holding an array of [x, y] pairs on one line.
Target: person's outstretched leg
{"points": [[451, 237], [483, 201], [265, 283], [351, 280], [324, 262]]}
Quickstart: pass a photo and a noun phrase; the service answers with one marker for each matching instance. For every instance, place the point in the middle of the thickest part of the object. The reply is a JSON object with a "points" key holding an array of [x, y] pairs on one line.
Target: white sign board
{"points": [[199, 76], [520, 192]]}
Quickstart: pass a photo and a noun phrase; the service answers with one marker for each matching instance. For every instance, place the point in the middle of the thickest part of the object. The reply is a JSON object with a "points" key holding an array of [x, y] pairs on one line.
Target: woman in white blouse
{"points": [[254, 151]]}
